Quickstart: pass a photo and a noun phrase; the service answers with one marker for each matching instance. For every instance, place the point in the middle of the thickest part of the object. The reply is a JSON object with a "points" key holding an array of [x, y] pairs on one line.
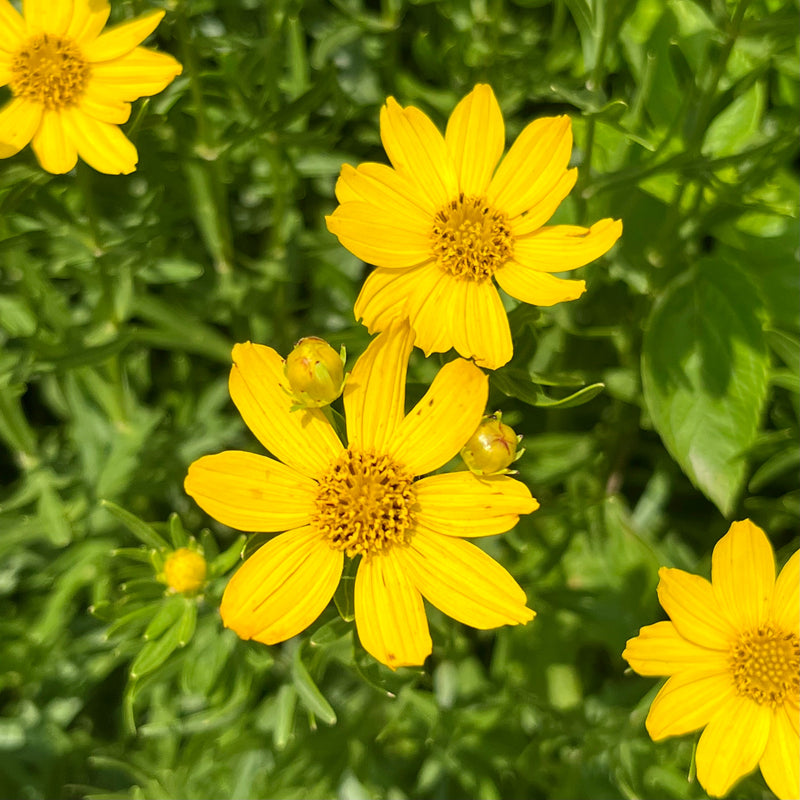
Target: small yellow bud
{"points": [[185, 571], [315, 372], [492, 448]]}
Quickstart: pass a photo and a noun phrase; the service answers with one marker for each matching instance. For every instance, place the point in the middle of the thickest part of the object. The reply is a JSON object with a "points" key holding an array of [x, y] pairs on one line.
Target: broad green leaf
{"points": [[704, 372]]}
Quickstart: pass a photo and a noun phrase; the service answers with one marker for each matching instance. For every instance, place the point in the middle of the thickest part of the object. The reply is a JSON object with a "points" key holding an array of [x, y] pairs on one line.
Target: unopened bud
{"points": [[185, 571], [315, 372], [492, 448]]}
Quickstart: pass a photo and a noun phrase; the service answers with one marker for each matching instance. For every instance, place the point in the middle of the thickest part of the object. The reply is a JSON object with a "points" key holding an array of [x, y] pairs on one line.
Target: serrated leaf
{"points": [[704, 372]]}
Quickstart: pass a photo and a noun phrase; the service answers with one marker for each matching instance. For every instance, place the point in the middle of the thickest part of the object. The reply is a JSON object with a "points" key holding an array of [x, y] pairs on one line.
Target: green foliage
{"points": [[655, 409]]}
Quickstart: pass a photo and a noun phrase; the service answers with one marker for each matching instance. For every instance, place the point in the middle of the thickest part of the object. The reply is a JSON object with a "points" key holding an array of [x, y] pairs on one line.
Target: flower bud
{"points": [[315, 372], [492, 448], [185, 571]]}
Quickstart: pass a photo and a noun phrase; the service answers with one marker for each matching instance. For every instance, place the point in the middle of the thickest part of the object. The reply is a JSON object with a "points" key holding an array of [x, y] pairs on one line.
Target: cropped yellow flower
{"points": [[363, 501], [73, 85], [733, 656], [446, 220]]}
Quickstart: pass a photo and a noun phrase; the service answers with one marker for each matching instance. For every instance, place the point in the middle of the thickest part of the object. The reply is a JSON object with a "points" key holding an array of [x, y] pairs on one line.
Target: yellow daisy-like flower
{"points": [[73, 85], [446, 220], [733, 656], [362, 500]]}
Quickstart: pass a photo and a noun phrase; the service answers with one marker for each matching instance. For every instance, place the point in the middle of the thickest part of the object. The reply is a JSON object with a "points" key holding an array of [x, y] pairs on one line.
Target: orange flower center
{"points": [[766, 665], [49, 70], [471, 239], [364, 504]]}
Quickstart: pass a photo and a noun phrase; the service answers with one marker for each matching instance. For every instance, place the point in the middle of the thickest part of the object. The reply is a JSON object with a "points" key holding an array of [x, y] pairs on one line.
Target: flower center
{"points": [[471, 239], [766, 665], [364, 504], [49, 70]]}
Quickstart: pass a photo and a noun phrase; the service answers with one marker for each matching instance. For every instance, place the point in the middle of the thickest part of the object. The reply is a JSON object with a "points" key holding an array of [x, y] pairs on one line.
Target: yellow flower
{"points": [[185, 571], [315, 372], [733, 654], [362, 500], [447, 219], [72, 85]]}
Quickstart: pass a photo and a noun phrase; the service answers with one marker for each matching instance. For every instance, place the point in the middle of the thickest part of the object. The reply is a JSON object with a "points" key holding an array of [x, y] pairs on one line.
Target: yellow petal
{"points": [[475, 138], [780, 764], [380, 238], [688, 701], [12, 28], [478, 323], [689, 600], [558, 248], [375, 392], [417, 293], [743, 575], [460, 504], [463, 582], [103, 106], [119, 40], [282, 588], [303, 439], [446, 416], [538, 214], [53, 147], [5, 68], [385, 188], [19, 120], [533, 166], [46, 16], [786, 600], [390, 615], [250, 492], [537, 288], [100, 144], [732, 744], [660, 650], [88, 19], [140, 73], [418, 152]]}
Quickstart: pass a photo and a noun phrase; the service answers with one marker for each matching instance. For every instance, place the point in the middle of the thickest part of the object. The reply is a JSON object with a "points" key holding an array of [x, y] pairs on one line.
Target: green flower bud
{"points": [[315, 372], [492, 448]]}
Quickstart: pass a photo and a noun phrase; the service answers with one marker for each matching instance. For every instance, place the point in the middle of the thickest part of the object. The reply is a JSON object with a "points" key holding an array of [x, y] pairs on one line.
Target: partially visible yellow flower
{"points": [[362, 500], [315, 372], [185, 571], [733, 656], [445, 221], [73, 85], [492, 449]]}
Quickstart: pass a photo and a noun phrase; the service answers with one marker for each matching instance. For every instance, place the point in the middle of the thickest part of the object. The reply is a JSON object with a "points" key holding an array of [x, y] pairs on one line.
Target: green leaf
{"points": [[517, 383], [141, 530], [187, 624], [704, 372], [310, 696], [344, 597], [155, 653], [167, 615]]}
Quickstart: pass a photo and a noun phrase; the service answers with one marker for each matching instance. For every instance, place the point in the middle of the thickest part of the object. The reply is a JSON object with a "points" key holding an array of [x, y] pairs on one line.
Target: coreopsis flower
{"points": [[445, 222], [492, 449], [362, 500], [732, 653], [72, 84]]}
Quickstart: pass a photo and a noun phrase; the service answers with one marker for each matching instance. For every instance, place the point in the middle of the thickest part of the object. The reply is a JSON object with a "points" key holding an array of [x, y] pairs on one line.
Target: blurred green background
{"points": [[120, 299]]}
